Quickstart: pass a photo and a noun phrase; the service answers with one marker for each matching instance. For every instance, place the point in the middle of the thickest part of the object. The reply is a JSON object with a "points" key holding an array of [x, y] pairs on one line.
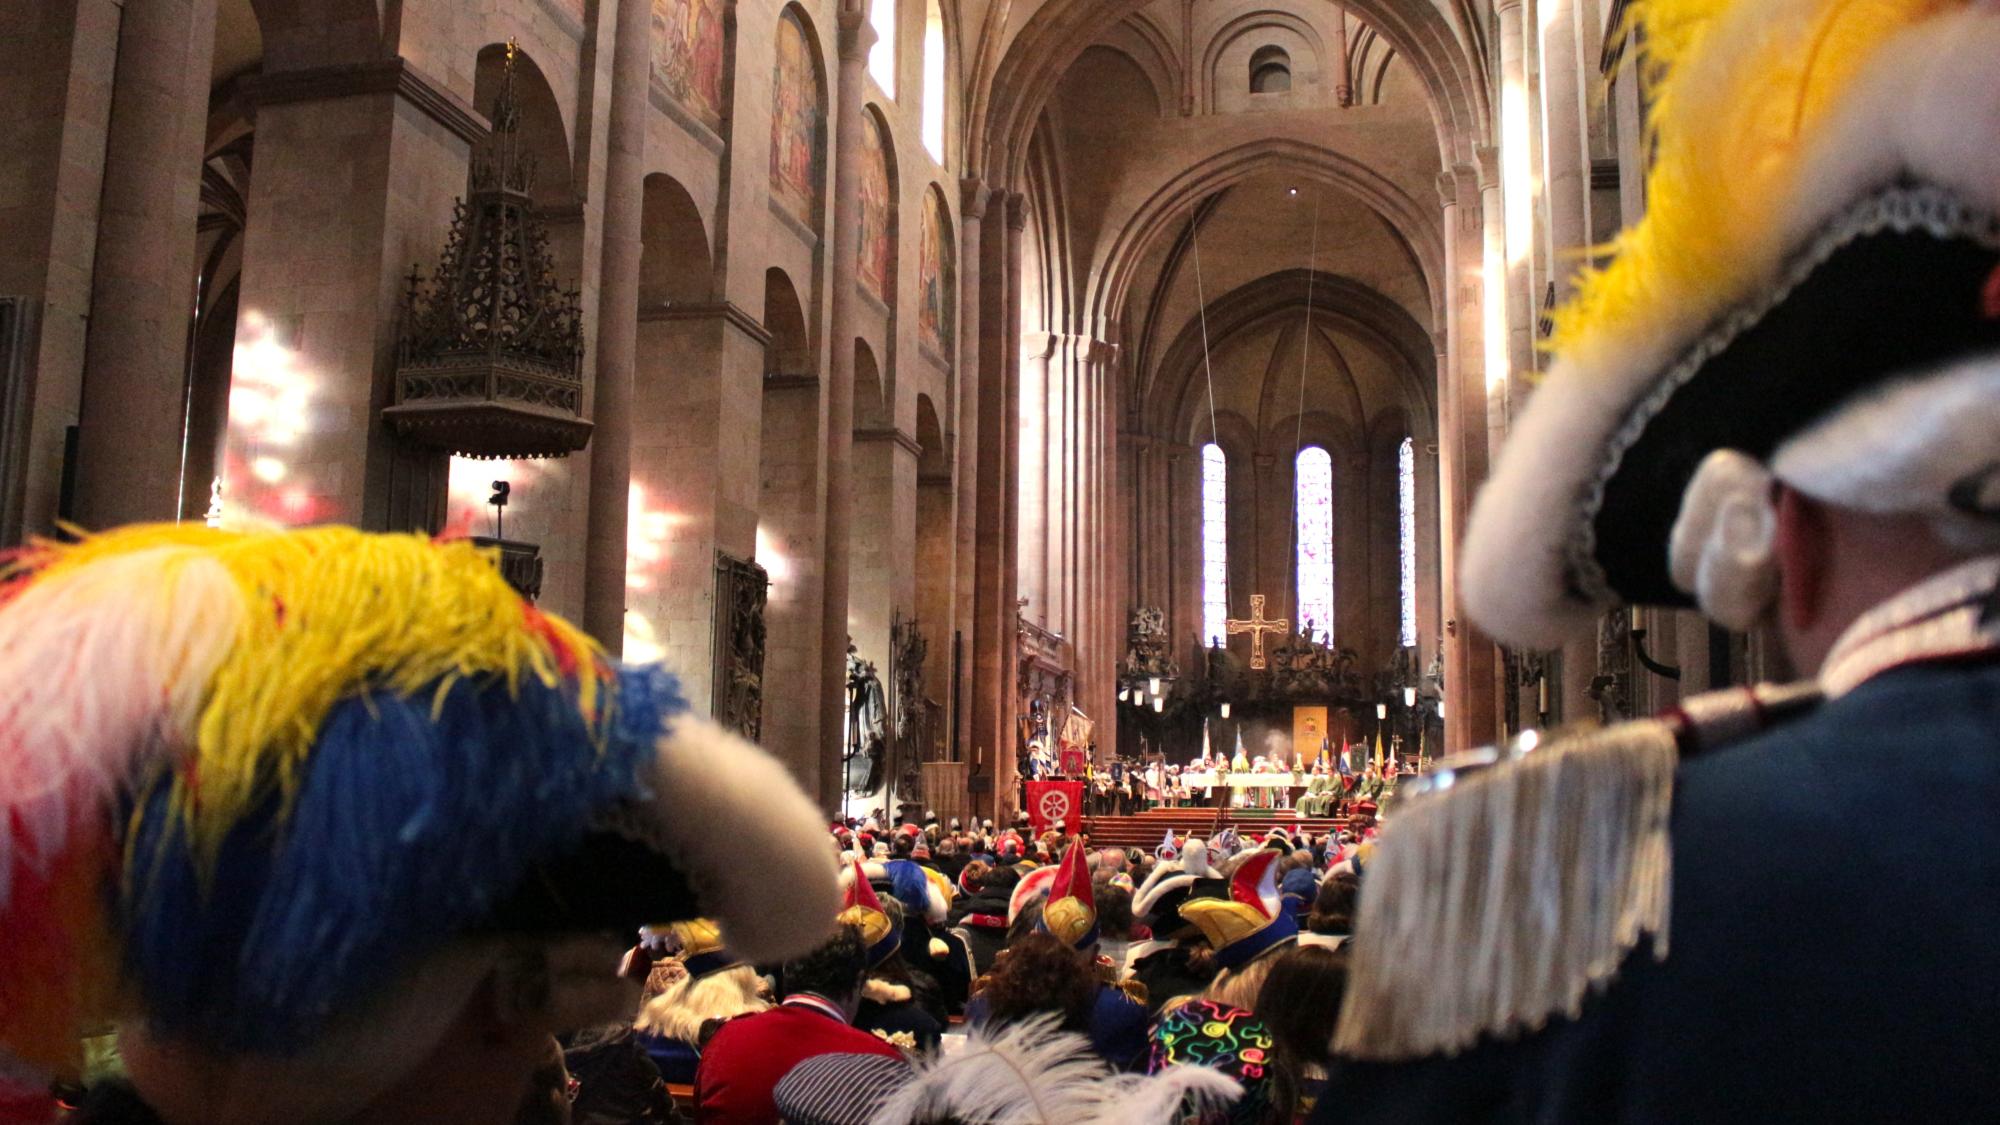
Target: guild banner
{"points": [[1050, 801]]}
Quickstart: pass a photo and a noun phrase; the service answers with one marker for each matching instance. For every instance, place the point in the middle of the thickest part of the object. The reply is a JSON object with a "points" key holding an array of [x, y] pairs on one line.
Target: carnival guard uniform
{"points": [[1711, 916]]}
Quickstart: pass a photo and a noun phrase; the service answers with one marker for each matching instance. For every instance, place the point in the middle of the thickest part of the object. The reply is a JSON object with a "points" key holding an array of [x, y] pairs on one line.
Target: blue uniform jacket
{"points": [[1835, 941]]}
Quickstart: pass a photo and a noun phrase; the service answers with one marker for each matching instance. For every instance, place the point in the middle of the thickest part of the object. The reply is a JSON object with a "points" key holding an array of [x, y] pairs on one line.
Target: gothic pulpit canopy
{"points": [[492, 348]]}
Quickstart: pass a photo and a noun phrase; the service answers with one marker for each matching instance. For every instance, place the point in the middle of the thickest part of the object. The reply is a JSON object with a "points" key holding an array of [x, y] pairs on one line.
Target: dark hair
{"points": [[1114, 911], [1300, 1002], [1039, 974], [833, 970], [1333, 911], [1028, 921]]}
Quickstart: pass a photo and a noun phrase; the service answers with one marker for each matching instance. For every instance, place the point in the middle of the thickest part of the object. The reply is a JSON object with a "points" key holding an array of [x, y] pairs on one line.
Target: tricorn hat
{"points": [[1812, 297]]}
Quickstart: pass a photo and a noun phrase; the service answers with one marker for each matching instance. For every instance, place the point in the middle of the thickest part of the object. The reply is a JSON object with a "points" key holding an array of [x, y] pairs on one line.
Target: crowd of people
{"points": [[1225, 953]]}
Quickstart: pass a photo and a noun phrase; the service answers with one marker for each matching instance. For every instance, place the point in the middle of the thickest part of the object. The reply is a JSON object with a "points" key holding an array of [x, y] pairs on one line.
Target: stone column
{"points": [[1517, 153], [1566, 143], [1471, 659], [972, 209], [357, 167], [1566, 173], [142, 289], [617, 328], [1036, 501], [855, 39], [989, 641], [1010, 556]]}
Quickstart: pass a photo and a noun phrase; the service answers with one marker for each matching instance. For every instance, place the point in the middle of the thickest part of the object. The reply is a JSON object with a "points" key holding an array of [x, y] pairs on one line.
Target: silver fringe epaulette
{"points": [[1514, 881]]}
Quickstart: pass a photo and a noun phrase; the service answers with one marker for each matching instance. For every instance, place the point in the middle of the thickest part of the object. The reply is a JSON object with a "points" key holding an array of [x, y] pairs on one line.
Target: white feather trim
{"points": [[1029, 1073], [749, 839], [1902, 448], [1912, 110], [103, 663]]}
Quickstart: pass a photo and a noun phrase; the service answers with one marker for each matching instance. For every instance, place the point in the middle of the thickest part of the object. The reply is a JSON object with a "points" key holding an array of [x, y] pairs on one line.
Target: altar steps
{"points": [[1145, 829]]}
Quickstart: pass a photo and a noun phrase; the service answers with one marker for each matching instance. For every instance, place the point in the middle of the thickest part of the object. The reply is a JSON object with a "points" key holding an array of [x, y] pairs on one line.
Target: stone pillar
{"points": [[1517, 236], [617, 328], [142, 289], [1471, 659], [972, 209], [56, 67], [357, 168], [697, 404], [1566, 176], [1566, 144], [990, 642], [1010, 556], [855, 39], [1036, 502]]}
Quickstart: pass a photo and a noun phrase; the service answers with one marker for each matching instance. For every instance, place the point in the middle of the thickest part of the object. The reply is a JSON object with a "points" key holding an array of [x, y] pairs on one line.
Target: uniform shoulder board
{"points": [[1512, 882]]}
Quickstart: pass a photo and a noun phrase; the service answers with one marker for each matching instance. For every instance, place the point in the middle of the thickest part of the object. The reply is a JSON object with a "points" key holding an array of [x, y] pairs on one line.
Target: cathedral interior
{"points": [[993, 362]]}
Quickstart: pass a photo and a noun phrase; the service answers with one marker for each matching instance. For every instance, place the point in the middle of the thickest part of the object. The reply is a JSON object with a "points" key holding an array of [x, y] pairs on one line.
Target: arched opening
{"points": [[789, 352], [1270, 70], [789, 530], [878, 549], [219, 226], [1214, 544], [933, 119], [798, 120], [882, 56], [937, 280], [876, 249], [935, 555], [671, 466]]}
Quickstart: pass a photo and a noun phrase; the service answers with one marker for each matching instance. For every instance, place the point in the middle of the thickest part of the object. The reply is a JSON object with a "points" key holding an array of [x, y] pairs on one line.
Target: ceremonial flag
{"points": [[1050, 801], [1346, 762]]}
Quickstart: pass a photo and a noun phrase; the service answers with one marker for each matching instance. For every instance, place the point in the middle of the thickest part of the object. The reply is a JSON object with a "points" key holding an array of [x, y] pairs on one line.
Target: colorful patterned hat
{"points": [[1253, 921], [1071, 912], [1225, 1039], [862, 908], [251, 782]]}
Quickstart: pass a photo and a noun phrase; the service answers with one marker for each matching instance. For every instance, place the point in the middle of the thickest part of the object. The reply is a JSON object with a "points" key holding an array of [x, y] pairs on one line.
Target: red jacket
{"points": [[745, 1060]]}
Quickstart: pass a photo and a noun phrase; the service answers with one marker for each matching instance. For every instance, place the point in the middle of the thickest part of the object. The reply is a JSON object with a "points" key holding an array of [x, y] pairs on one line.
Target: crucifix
{"points": [[1258, 628]]}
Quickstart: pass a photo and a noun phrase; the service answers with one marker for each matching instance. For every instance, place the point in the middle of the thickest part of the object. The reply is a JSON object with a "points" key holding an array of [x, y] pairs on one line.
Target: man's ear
{"points": [[1804, 549]]}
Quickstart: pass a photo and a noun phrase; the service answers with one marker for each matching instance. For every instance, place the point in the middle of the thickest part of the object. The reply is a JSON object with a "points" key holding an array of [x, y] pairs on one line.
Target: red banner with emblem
{"points": [[1050, 801]]}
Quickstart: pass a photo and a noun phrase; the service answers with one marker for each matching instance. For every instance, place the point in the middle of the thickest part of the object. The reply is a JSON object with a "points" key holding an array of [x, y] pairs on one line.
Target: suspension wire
{"points": [[1299, 430], [1201, 305]]}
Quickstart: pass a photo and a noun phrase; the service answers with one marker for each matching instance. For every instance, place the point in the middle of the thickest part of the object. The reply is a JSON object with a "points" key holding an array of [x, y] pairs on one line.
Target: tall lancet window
{"points": [[933, 107], [882, 56], [1214, 543], [1315, 516], [1406, 507]]}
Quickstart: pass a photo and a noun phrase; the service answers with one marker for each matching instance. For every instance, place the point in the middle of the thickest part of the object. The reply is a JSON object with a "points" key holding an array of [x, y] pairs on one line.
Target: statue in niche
{"points": [[867, 726]]}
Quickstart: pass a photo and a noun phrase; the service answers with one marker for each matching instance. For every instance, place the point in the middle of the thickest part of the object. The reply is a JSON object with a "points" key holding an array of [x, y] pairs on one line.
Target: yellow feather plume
{"points": [[1739, 87], [330, 611]]}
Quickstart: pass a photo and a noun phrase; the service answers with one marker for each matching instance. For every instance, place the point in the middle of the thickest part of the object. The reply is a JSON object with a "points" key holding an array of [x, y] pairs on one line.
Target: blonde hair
{"points": [[1238, 988], [679, 1012]]}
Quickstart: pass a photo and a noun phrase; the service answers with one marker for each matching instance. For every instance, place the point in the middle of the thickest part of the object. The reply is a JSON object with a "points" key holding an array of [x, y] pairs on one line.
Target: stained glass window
{"points": [[1315, 516], [1214, 543], [1406, 506]]}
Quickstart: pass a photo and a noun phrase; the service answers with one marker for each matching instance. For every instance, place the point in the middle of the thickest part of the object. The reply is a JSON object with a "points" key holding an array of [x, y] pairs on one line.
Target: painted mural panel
{"points": [[937, 279], [687, 55], [878, 244], [796, 122]]}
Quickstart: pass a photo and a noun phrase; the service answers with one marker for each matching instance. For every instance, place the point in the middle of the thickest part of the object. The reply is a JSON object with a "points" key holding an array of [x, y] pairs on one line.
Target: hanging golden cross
{"points": [[1258, 628]]}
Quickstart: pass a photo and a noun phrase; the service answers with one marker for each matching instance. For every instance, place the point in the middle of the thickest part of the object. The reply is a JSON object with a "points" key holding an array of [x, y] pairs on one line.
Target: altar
{"points": [[1261, 788]]}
